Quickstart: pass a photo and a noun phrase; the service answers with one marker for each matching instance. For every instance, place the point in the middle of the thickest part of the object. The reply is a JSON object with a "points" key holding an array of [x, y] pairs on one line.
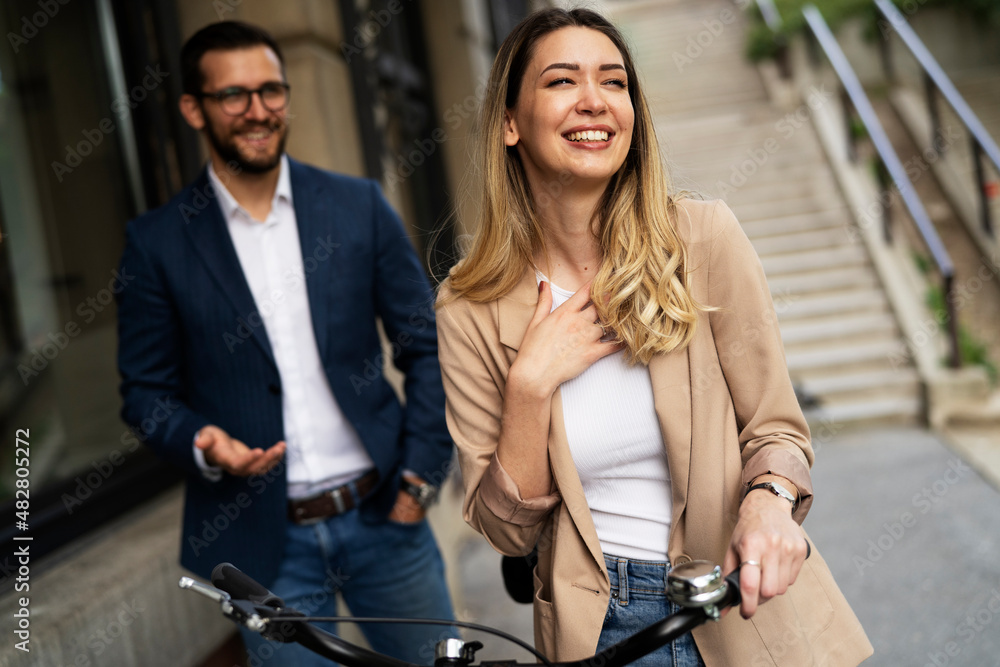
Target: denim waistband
{"points": [[645, 577]]}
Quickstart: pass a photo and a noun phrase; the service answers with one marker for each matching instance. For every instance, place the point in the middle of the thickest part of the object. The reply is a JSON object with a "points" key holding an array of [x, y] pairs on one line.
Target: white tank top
{"points": [[615, 440]]}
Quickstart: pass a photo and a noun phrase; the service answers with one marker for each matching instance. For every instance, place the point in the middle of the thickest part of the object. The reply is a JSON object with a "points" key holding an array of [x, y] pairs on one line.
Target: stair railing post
{"points": [[985, 214], [781, 56], [885, 195], [930, 93], [885, 50], [812, 49], [954, 353], [845, 104]]}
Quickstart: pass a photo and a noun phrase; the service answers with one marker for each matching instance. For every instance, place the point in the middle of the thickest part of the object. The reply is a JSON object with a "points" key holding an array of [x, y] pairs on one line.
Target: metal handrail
{"points": [[890, 162], [982, 142], [769, 12]]}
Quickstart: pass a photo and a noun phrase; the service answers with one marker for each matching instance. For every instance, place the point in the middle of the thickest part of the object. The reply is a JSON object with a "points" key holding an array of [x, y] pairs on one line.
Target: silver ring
{"points": [[750, 562]]}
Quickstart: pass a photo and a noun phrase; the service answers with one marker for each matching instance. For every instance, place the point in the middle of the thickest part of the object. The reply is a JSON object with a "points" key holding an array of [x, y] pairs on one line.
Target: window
{"points": [[70, 179]]}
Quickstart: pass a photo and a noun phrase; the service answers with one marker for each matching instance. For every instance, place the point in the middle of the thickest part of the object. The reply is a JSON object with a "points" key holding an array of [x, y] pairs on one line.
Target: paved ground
{"points": [[911, 532]]}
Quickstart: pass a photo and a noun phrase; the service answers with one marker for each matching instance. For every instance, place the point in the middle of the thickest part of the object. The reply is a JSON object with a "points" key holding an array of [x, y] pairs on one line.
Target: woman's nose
{"points": [[591, 99]]}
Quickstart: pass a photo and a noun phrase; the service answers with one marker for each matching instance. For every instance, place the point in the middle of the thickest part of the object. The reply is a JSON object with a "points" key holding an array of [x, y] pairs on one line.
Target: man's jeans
{"points": [[384, 569], [638, 599]]}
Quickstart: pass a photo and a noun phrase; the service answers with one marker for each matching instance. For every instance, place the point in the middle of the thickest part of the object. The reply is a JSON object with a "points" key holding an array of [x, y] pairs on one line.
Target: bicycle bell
{"points": [[697, 584], [455, 653]]}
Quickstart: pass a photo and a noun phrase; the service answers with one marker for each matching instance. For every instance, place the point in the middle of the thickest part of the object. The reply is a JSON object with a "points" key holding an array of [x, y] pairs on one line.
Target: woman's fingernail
{"points": [[541, 285]]}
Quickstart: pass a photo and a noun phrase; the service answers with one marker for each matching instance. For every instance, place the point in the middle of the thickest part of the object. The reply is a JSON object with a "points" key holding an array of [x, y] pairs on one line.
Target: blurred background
{"points": [[854, 140]]}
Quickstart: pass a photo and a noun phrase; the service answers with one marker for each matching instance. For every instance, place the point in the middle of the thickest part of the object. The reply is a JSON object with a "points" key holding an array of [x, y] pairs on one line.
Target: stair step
{"points": [[695, 103], [825, 239], [843, 301], [794, 285], [812, 330], [757, 229], [855, 383], [889, 410], [878, 354], [847, 255], [756, 211], [766, 187], [752, 213], [715, 150], [742, 135]]}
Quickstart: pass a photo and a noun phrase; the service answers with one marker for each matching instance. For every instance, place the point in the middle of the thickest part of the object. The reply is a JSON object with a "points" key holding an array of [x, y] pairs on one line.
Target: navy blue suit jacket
{"points": [[193, 351]]}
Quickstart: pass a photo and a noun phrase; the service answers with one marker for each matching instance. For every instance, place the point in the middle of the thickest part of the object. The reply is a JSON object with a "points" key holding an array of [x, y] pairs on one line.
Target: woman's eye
{"points": [[618, 82], [556, 82]]}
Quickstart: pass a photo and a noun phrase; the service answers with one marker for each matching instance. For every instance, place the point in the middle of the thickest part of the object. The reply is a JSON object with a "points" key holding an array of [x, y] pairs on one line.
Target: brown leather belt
{"points": [[331, 503]]}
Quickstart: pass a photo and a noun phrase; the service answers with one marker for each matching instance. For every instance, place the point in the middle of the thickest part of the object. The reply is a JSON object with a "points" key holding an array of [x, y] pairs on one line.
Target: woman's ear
{"points": [[510, 134], [192, 111]]}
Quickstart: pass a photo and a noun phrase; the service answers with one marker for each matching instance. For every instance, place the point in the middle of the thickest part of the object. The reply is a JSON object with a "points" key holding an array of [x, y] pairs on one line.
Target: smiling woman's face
{"points": [[573, 114]]}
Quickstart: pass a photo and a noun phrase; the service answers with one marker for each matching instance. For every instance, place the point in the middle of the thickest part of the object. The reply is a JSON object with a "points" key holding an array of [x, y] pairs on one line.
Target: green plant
{"points": [[923, 263], [858, 129], [971, 350], [761, 43]]}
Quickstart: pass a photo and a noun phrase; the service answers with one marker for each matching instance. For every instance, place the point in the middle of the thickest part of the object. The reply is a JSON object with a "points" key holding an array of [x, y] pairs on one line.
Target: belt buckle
{"points": [[337, 495]]}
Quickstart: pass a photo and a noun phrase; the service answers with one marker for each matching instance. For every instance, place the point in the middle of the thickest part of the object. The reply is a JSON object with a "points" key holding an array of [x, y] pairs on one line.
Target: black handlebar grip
{"points": [[230, 579]]}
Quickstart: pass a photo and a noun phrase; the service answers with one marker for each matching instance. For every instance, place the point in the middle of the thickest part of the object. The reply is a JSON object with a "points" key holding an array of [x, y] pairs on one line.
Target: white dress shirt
{"points": [[323, 449]]}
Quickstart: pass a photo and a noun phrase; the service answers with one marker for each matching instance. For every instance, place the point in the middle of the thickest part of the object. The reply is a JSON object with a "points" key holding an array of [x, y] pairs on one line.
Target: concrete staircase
{"points": [[723, 138]]}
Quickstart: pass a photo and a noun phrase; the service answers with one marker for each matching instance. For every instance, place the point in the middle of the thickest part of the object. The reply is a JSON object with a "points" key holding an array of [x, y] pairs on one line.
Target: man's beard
{"points": [[257, 165]]}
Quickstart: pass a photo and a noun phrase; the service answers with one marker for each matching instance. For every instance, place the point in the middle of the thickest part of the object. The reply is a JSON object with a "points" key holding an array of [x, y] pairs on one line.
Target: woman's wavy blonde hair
{"points": [[642, 258]]}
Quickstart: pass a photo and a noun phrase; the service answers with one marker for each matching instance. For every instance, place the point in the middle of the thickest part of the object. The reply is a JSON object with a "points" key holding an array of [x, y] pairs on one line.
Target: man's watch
{"points": [[425, 494], [778, 490]]}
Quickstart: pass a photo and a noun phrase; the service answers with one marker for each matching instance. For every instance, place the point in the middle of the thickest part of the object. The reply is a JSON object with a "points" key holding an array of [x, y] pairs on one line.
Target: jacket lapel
{"points": [[515, 311], [671, 380], [207, 231], [313, 221]]}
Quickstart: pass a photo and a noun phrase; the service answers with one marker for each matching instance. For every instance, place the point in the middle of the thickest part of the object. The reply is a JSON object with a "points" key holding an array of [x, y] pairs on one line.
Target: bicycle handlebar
{"points": [[251, 604]]}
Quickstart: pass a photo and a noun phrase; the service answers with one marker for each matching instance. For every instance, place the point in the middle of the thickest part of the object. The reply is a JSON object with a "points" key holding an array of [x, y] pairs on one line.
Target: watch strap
{"points": [[778, 490]]}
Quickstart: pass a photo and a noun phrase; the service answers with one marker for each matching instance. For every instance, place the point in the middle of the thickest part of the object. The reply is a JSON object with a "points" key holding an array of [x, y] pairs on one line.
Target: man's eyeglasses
{"points": [[235, 101]]}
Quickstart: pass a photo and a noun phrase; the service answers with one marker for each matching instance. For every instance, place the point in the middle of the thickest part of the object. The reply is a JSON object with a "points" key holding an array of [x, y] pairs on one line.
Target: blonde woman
{"points": [[615, 377]]}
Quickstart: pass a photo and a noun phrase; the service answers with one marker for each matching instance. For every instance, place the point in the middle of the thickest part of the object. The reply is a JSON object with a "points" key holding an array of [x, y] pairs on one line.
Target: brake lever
{"points": [[242, 611], [211, 592]]}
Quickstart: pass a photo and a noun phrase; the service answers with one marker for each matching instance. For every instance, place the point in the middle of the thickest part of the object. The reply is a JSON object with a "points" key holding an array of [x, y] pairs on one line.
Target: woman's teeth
{"points": [[589, 135]]}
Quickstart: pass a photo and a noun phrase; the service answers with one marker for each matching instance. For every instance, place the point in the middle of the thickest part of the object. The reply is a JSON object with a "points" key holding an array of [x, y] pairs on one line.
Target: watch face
{"points": [[425, 494], [782, 491], [778, 490]]}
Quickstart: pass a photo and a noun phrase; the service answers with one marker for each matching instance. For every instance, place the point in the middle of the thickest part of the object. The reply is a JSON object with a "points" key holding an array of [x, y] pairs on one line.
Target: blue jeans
{"points": [[384, 569], [638, 600]]}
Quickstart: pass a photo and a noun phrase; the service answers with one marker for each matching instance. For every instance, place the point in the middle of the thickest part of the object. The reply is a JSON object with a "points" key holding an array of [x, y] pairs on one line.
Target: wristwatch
{"points": [[425, 494], [778, 490]]}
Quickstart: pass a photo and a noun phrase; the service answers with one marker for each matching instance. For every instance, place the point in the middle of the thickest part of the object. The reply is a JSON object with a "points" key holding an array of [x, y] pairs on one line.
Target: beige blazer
{"points": [[727, 413]]}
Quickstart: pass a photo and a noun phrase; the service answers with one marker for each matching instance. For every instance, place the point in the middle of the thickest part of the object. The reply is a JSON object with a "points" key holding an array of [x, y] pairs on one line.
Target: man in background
{"points": [[247, 346]]}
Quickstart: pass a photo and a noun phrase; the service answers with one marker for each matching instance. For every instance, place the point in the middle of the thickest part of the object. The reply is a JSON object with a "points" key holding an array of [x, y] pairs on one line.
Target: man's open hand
{"points": [[234, 456]]}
